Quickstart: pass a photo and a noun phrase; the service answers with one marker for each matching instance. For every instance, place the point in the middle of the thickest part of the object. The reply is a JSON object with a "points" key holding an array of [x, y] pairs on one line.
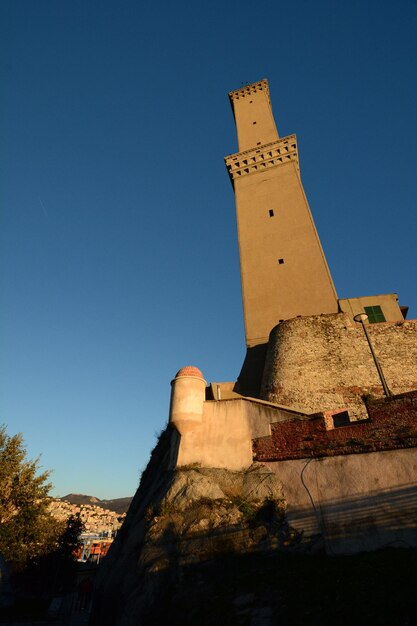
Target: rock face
{"points": [[212, 547], [181, 519]]}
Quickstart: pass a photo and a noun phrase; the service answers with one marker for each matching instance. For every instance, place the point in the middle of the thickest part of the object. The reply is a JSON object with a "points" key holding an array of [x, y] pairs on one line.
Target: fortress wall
{"points": [[392, 424], [322, 363], [353, 503], [395, 344], [224, 437], [222, 440]]}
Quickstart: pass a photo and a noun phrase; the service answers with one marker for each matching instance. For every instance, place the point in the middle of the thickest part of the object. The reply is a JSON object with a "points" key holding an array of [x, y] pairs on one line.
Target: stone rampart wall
{"points": [[323, 362], [392, 424]]}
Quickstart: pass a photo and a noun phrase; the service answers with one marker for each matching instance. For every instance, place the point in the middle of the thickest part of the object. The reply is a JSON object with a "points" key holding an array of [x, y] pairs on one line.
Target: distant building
{"points": [[95, 519]]}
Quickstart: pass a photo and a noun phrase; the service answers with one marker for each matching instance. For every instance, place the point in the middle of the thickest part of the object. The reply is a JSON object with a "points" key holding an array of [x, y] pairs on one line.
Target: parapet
{"points": [[247, 90]]}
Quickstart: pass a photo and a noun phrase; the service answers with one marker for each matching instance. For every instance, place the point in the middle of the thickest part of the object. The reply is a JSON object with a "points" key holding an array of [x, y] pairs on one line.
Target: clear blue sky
{"points": [[119, 260]]}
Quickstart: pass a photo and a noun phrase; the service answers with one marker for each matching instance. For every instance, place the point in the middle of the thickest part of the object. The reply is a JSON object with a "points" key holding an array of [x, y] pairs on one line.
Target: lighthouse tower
{"points": [[283, 269]]}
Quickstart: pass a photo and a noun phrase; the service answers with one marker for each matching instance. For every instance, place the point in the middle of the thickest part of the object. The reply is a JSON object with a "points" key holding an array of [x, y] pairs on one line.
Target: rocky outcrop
{"points": [[211, 546], [181, 519]]}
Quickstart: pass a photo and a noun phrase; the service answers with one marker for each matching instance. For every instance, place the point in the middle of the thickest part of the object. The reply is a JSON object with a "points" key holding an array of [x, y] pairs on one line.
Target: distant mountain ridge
{"points": [[119, 505]]}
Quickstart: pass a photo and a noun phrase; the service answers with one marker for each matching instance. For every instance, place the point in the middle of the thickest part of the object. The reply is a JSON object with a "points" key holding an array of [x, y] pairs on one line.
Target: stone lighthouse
{"points": [[284, 273]]}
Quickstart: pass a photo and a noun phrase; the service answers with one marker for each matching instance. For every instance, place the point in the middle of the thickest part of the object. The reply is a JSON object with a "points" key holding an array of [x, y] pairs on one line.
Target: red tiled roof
{"points": [[189, 370]]}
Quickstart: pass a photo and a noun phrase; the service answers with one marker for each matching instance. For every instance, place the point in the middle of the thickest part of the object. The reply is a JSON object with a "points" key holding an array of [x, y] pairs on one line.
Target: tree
{"points": [[54, 571], [27, 529]]}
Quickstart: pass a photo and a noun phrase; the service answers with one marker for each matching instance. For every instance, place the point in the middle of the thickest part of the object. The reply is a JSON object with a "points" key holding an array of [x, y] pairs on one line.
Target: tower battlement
{"points": [[248, 90], [257, 159]]}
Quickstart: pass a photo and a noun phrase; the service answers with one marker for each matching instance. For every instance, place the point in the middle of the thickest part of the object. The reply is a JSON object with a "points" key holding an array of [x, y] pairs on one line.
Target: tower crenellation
{"points": [[262, 157]]}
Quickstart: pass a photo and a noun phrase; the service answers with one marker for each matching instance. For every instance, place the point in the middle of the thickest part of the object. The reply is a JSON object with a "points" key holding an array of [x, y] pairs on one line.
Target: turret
{"points": [[188, 393]]}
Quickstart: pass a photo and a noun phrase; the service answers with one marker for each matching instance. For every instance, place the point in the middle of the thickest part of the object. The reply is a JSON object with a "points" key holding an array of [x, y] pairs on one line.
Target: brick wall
{"points": [[392, 424], [323, 362]]}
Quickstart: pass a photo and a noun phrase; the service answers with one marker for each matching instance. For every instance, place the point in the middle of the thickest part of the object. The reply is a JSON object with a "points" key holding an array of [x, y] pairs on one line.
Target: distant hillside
{"points": [[119, 505]]}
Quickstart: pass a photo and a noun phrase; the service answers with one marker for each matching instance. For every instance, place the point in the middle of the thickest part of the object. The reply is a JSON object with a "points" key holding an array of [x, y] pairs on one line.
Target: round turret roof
{"points": [[189, 370]]}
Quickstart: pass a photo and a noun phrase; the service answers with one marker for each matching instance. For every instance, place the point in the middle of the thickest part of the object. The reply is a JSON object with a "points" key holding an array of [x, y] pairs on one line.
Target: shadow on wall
{"points": [[231, 575], [148, 562], [379, 519], [121, 573], [250, 378]]}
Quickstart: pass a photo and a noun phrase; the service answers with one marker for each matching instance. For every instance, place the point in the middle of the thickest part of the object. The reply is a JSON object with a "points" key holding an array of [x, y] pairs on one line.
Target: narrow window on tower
{"points": [[271, 212], [280, 261]]}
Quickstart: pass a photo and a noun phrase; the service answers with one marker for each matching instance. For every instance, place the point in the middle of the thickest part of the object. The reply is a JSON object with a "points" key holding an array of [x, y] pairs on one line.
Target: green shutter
{"points": [[374, 314]]}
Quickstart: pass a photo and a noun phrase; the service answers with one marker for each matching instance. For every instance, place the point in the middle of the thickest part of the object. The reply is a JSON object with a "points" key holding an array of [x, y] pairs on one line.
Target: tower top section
{"points": [[247, 90], [255, 123]]}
